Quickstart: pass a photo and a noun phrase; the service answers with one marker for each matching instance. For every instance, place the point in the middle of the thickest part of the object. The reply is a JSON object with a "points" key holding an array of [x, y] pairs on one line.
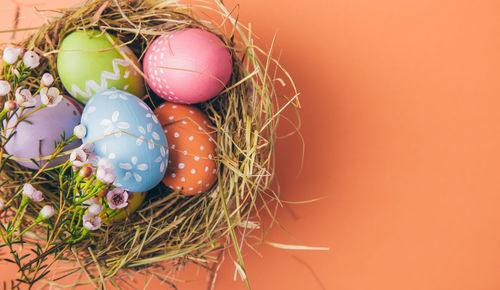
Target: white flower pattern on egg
{"points": [[151, 141], [132, 169], [113, 125]]}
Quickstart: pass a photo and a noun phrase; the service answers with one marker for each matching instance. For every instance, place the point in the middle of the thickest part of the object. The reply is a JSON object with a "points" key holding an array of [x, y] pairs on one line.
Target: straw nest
{"points": [[170, 226]]}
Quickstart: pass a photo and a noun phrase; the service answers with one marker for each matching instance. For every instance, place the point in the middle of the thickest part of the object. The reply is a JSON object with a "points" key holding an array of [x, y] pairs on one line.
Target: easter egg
{"points": [[187, 66], [191, 167], [35, 135], [125, 130], [134, 201], [87, 64]]}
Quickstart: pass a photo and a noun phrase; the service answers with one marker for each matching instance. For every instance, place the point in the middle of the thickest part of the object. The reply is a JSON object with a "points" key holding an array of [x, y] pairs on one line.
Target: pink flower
{"points": [[24, 98], [30, 192], [105, 171], [117, 198], [83, 155], [89, 149], [78, 158], [91, 221]]}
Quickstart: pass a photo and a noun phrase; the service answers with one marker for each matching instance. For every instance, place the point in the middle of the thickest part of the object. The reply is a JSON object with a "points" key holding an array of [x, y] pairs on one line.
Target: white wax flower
{"points": [[4, 88], [95, 209], [24, 98], [31, 59], [30, 192], [50, 97], [105, 171], [91, 222], [11, 54], [80, 131], [47, 80], [47, 212]]}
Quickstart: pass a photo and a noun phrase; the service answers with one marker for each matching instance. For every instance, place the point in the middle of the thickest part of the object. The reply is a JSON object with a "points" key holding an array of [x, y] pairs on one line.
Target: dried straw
{"points": [[170, 226]]}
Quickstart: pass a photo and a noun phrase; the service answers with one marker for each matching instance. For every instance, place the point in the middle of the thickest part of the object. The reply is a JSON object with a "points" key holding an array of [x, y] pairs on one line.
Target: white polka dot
{"points": [[176, 135], [191, 138], [196, 158], [184, 122], [174, 106], [178, 187], [199, 191], [191, 111], [193, 171], [208, 185], [165, 130], [206, 168], [181, 165], [191, 188], [173, 175], [183, 179], [199, 181], [173, 146], [209, 156], [171, 117], [185, 152], [214, 171], [201, 148]]}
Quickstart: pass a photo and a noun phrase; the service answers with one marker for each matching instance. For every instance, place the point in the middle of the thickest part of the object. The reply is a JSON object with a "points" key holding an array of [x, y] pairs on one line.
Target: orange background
{"points": [[400, 121]]}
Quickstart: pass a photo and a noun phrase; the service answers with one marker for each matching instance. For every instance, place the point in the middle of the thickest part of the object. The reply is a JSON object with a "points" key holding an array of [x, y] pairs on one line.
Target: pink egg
{"points": [[187, 66]]}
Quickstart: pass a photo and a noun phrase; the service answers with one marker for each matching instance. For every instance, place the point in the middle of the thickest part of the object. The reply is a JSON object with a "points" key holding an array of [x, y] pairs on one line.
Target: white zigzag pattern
{"points": [[105, 76]]}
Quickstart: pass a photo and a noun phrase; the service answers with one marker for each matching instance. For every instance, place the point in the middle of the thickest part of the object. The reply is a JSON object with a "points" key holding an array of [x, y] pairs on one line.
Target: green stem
{"points": [[2, 114], [35, 110], [37, 221], [16, 224], [83, 235]]}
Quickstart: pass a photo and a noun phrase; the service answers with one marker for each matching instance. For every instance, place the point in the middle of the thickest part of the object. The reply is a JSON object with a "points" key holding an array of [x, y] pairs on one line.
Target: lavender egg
{"points": [[36, 135]]}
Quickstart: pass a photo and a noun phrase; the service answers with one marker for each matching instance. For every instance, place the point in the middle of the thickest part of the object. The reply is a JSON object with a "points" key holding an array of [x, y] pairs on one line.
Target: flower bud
{"points": [[31, 59], [95, 209], [85, 172], [4, 88], [46, 212], [11, 54], [10, 106], [80, 131], [103, 192], [47, 80]]}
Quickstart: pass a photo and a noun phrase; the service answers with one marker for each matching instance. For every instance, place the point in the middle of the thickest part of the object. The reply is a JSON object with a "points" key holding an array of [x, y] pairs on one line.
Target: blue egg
{"points": [[125, 130]]}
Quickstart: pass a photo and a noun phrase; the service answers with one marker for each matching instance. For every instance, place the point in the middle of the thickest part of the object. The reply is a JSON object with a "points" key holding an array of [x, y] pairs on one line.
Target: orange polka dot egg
{"points": [[191, 168]]}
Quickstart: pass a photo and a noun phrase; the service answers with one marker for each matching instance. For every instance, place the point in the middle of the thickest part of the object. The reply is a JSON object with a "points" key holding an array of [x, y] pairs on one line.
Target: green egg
{"points": [[87, 63]]}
